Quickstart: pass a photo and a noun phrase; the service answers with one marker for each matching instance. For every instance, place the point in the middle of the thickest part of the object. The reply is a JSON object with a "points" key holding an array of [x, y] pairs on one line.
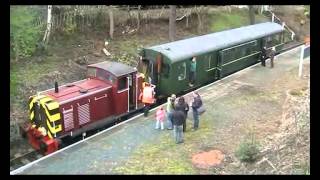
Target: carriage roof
{"points": [[187, 48]]}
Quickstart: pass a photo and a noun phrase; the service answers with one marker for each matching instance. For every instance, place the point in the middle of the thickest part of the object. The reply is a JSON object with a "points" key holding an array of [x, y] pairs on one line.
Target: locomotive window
{"points": [[182, 71], [102, 75], [111, 79], [122, 83], [91, 72]]}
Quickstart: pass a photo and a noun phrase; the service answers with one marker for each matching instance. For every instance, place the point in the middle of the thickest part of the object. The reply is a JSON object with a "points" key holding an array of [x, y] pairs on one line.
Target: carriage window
{"points": [[276, 39], [254, 43], [182, 71], [122, 83], [165, 70]]}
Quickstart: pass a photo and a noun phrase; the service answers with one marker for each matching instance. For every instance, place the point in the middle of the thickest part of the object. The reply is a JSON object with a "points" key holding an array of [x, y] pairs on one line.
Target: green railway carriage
{"points": [[217, 55]]}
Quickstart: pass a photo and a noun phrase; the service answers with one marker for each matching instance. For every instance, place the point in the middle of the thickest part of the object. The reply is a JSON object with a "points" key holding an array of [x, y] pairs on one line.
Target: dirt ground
{"points": [[67, 58]]}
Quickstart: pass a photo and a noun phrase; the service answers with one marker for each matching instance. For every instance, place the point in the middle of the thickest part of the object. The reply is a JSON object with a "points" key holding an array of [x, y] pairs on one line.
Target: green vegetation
{"points": [[248, 149], [28, 74], [223, 20], [158, 160], [296, 92], [301, 167], [24, 33]]}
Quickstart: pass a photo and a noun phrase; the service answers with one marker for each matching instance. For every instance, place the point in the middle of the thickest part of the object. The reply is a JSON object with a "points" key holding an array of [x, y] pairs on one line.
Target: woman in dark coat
{"points": [[183, 107]]}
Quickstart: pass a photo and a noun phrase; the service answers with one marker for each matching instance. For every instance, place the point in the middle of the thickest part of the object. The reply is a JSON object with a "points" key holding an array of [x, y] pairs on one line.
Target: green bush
{"points": [[248, 150], [24, 33]]}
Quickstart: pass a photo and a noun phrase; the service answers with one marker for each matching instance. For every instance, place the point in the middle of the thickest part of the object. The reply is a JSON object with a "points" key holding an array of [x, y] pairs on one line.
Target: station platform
{"points": [[107, 151]]}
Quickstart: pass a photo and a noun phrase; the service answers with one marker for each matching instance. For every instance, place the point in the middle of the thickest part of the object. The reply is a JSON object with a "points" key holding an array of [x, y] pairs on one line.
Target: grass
{"points": [[166, 157], [237, 18], [27, 73]]}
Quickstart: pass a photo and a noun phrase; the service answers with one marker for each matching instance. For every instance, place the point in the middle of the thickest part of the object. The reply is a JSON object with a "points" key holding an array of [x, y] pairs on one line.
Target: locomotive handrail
{"points": [[104, 96]]}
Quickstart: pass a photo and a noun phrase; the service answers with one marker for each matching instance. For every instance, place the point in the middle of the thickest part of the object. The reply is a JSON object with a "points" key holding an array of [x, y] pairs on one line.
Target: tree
{"points": [[46, 36], [172, 23], [138, 17], [111, 22], [251, 14]]}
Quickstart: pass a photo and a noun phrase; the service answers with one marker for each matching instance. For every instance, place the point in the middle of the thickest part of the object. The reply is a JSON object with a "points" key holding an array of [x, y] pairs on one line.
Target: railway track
{"points": [[24, 159], [31, 157]]}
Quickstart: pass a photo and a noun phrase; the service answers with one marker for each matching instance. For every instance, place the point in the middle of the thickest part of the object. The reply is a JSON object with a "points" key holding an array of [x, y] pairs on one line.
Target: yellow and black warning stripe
{"points": [[49, 110], [32, 101]]}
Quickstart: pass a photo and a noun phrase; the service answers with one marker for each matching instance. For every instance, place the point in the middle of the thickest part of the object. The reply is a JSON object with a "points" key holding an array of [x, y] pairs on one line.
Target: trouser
{"points": [[195, 119], [271, 61], [146, 110], [263, 61], [169, 120], [192, 77], [158, 123], [185, 125], [178, 133]]}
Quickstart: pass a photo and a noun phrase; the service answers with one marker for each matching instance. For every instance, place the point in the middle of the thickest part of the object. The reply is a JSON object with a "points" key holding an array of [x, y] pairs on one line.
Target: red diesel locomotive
{"points": [[110, 92]]}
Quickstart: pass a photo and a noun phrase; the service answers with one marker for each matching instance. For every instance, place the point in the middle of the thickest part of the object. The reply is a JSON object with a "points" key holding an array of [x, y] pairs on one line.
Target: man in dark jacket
{"points": [[178, 118], [183, 107], [196, 104], [263, 56]]}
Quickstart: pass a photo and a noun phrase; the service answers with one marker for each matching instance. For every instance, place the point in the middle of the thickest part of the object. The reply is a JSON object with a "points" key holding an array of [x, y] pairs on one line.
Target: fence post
{"points": [[272, 17], [292, 35], [301, 61]]}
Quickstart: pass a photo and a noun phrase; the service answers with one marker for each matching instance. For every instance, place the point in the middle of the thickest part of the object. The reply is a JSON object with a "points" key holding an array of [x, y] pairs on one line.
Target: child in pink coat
{"points": [[160, 115]]}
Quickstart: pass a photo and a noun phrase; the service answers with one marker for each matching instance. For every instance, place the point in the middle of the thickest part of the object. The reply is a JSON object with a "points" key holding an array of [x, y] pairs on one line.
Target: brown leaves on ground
{"points": [[209, 159]]}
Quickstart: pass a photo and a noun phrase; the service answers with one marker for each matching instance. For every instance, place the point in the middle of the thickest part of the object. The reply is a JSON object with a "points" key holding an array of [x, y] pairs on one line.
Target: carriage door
{"points": [[219, 65], [121, 100]]}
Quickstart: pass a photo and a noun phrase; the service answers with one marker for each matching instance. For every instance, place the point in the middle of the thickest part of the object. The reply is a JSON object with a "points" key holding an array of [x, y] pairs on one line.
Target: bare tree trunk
{"points": [[138, 18], [187, 21], [172, 23], [198, 10], [251, 14], [111, 23], [129, 14], [49, 23]]}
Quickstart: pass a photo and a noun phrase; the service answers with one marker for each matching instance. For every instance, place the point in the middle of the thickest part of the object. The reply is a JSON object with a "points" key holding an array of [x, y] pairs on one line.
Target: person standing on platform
{"points": [[170, 108], [160, 114], [178, 118], [272, 55], [196, 104], [263, 56], [183, 107]]}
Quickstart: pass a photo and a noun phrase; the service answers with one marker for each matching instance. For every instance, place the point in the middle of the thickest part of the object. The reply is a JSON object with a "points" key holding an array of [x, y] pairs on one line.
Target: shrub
{"points": [[248, 149], [24, 33]]}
